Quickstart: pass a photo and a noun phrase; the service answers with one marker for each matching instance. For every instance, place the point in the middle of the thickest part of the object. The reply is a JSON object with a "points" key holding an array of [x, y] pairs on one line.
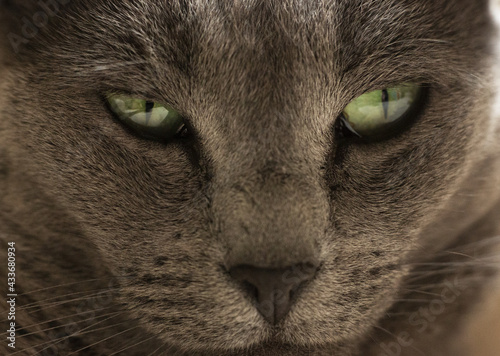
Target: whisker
{"points": [[411, 300], [61, 318], [478, 262], [55, 304], [80, 332], [71, 284], [422, 292], [66, 295], [108, 338], [73, 322], [396, 337], [134, 345], [459, 254], [155, 351]]}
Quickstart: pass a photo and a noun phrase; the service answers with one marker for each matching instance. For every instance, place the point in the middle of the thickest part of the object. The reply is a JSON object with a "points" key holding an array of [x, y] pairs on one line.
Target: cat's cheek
{"points": [[191, 292], [404, 184], [122, 193]]}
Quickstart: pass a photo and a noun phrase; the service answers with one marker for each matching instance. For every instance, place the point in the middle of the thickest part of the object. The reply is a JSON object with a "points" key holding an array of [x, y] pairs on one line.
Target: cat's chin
{"points": [[255, 337], [279, 349], [274, 345], [276, 348]]}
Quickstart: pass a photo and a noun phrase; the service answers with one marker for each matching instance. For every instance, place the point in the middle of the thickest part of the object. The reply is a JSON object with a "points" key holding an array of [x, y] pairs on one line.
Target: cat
{"points": [[251, 177]]}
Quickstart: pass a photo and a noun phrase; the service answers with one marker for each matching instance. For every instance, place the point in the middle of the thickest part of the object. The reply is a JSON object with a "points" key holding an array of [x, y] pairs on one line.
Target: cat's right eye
{"points": [[149, 119], [381, 113]]}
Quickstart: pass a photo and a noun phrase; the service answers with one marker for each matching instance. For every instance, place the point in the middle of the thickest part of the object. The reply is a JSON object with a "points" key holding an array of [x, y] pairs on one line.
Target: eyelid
{"points": [[161, 123], [389, 129], [140, 96]]}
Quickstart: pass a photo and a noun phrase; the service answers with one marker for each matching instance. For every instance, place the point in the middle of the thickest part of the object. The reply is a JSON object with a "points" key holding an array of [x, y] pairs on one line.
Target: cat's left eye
{"points": [[380, 113], [149, 119]]}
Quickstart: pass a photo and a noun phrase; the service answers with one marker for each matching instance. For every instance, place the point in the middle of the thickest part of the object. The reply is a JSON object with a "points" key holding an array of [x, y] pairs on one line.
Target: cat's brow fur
{"points": [[264, 182]]}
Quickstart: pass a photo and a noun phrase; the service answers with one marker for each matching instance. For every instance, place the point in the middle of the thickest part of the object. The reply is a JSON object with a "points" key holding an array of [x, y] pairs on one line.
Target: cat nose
{"points": [[274, 290]]}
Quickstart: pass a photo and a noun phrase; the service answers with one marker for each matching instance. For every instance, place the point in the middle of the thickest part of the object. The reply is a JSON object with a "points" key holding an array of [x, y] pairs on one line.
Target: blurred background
{"points": [[484, 331]]}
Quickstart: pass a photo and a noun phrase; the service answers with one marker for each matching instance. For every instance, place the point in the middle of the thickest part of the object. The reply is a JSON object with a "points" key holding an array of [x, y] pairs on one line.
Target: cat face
{"points": [[265, 177]]}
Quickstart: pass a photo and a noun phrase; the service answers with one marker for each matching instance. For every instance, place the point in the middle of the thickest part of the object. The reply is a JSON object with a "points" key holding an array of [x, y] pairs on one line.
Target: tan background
{"points": [[484, 332]]}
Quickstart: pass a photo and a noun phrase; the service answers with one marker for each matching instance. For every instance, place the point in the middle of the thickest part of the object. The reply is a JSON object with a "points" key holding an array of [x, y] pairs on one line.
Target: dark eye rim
{"points": [[343, 132], [184, 134]]}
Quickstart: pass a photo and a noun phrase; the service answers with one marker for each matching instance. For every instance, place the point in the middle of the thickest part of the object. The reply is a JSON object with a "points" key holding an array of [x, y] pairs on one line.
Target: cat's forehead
{"points": [[251, 22], [244, 16], [343, 33]]}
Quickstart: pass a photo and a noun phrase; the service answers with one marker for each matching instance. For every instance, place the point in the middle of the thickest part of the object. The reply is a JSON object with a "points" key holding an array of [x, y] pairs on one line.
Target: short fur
{"points": [[123, 244]]}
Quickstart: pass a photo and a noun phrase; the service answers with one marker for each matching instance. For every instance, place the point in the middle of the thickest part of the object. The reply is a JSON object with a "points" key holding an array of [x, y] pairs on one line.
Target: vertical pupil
{"points": [[149, 109], [149, 106], [385, 103]]}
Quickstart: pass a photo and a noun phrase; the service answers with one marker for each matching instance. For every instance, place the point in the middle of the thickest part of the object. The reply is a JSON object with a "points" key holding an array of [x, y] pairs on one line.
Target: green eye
{"points": [[147, 118], [380, 112]]}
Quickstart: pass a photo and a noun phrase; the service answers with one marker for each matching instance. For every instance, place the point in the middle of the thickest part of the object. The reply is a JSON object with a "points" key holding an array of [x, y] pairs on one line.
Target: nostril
{"points": [[250, 289], [273, 290]]}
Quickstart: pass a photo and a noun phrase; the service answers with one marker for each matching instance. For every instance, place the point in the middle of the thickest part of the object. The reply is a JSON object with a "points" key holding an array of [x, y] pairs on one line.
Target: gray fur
{"points": [[265, 182]]}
